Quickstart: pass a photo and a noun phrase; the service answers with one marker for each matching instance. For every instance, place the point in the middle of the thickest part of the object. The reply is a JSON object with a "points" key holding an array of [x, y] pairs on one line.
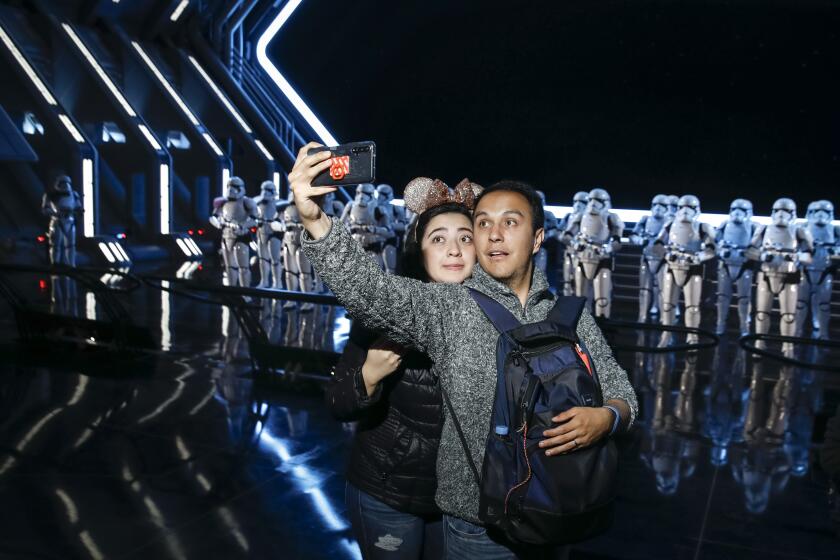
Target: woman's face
{"points": [[448, 250]]}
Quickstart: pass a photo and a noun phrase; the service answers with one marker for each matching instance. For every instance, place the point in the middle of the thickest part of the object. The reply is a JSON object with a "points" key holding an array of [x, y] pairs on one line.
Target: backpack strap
{"points": [[461, 436], [501, 318], [566, 313]]}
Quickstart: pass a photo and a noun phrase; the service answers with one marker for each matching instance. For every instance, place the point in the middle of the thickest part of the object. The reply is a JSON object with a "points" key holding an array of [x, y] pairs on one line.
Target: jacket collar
{"points": [[488, 285]]}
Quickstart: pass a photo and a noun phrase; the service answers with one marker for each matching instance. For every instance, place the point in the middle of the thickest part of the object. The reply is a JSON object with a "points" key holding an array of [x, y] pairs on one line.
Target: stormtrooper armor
{"points": [[61, 204], [818, 276], [299, 273], [367, 223], [550, 228], [673, 205], [269, 237], [687, 244], [332, 207], [733, 238], [235, 214], [644, 234], [398, 222], [597, 236], [578, 208], [782, 248]]}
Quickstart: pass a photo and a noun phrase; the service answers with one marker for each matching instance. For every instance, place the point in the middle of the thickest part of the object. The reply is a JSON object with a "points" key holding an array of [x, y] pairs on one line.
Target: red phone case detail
{"points": [[340, 167]]}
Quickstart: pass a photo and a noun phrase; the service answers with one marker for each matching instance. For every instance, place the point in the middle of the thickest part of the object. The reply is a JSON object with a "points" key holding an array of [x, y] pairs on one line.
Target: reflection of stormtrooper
{"points": [[665, 449], [397, 224], [299, 273], [368, 224], [61, 204], [269, 237], [597, 236], [645, 233], [235, 215], [687, 245], [733, 240], [781, 247], [550, 227], [819, 274], [578, 207], [724, 403]]}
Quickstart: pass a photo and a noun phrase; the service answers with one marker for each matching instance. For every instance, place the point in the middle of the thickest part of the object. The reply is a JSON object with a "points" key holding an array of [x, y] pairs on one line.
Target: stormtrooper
{"points": [[299, 273], [368, 224], [733, 238], [686, 244], [781, 248], [644, 234], [578, 207], [818, 276], [332, 207], [550, 228], [596, 237], [673, 205], [269, 239], [61, 204], [235, 214], [398, 223]]}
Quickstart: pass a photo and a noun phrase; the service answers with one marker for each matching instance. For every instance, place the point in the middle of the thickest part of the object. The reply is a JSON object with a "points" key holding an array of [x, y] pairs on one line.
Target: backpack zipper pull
{"points": [[584, 358]]}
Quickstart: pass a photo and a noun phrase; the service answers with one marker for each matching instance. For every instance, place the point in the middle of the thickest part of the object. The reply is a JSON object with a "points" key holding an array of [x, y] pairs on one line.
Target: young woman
{"points": [[392, 393]]}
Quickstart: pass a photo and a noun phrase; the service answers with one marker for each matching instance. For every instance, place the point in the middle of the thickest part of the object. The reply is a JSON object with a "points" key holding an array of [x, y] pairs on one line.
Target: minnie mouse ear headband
{"points": [[423, 193]]}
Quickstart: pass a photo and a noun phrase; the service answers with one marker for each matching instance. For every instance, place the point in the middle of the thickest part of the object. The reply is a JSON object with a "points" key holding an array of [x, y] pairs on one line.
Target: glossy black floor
{"points": [[184, 453]]}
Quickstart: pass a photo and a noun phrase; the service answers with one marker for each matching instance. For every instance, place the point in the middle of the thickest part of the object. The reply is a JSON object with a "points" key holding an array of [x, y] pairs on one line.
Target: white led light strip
{"points": [[87, 197], [282, 83], [165, 219], [27, 68], [165, 83], [179, 10], [222, 97], [71, 128], [99, 71], [265, 152], [151, 139]]}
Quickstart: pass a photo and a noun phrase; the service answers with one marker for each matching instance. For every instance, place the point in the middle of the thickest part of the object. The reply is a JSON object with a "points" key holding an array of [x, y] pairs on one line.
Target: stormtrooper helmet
{"points": [[598, 201], [659, 206], [740, 210], [784, 212], [688, 208], [235, 189]]}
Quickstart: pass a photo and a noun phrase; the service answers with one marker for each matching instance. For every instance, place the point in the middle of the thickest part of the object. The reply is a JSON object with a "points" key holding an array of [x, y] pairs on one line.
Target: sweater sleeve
{"points": [[409, 312], [614, 380], [345, 395]]}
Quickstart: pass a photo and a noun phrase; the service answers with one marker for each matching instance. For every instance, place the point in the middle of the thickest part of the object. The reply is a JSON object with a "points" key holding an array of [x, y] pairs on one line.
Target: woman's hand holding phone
{"points": [[305, 170]]}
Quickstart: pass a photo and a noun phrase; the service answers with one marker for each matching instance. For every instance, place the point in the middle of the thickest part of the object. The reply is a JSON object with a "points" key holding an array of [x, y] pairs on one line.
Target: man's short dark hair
{"points": [[526, 190]]}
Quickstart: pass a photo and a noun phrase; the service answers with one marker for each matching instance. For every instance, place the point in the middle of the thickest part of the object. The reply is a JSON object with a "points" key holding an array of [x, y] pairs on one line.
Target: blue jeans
{"points": [[383, 532], [465, 541]]}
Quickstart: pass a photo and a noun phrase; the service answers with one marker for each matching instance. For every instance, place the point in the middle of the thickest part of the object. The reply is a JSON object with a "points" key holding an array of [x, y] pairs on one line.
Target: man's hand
{"points": [[307, 197], [383, 359], [578, 427]]}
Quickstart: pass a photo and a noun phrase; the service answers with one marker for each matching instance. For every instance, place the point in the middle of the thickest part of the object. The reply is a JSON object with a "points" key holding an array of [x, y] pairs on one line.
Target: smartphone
{"points": [[352, 164]]}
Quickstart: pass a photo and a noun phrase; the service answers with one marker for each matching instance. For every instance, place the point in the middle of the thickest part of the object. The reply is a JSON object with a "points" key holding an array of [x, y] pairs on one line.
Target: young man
{"points": [[444, 321]]}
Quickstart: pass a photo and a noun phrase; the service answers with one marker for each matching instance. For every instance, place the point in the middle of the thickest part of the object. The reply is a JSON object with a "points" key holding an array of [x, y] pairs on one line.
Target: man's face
{"points": [[504, 239]]}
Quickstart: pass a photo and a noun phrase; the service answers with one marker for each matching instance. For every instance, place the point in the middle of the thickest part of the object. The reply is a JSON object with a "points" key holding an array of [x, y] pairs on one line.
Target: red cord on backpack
{"points": [[527, 462]]}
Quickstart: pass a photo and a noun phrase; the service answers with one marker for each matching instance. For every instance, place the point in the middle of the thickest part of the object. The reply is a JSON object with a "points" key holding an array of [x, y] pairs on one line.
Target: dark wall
{"points": [[716, 98]]}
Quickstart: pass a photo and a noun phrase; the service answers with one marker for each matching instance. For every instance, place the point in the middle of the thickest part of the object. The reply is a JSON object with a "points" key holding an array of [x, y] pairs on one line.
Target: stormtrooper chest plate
{"points": [[362, 215], [779, 238], [685, 235], [267, 210], [737, 235], [594, 228], [824, 241], [234, 211], [653, 226]]}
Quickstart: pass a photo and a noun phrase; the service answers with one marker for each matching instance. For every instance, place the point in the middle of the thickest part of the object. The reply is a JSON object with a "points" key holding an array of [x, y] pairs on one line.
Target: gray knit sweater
{"points": [[446, 323]]}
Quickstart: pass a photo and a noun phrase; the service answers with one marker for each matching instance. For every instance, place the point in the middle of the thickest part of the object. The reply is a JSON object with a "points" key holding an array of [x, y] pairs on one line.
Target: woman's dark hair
{"points": [[524, 189], [411, 260]]}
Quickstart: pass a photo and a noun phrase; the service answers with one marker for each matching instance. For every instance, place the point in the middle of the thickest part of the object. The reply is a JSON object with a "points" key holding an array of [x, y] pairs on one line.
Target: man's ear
{"points": [[539, 237]]}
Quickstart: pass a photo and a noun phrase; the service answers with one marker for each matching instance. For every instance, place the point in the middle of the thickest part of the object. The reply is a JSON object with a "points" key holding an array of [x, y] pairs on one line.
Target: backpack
{"points": [[542, 369]]}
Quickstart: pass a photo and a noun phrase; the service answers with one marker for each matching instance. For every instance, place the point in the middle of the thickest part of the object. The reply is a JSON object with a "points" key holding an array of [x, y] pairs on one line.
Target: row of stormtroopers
{"points": [[376, 223], [278, 237]]}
